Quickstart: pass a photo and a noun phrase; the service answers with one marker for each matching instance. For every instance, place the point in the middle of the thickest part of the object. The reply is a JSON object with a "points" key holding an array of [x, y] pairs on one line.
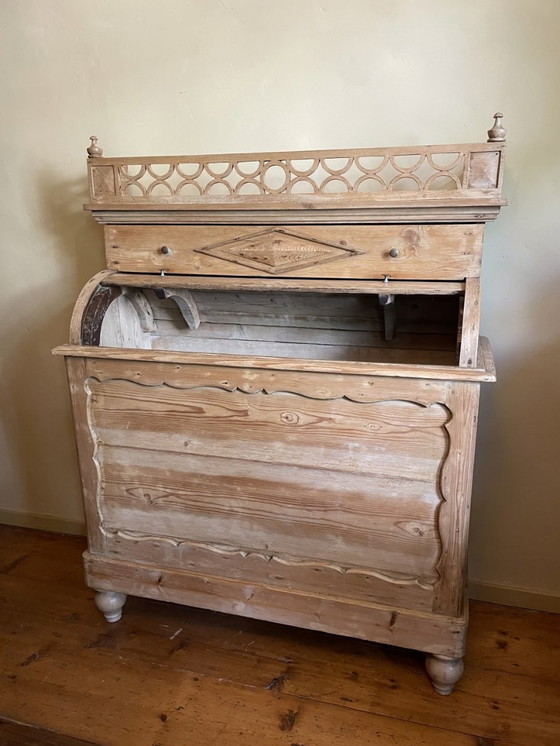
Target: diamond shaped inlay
{"points": [[276, 251]]}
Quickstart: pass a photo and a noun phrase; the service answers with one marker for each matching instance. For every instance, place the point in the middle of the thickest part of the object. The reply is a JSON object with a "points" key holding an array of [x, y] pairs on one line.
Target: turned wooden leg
{"points": [[444, 672], [110, 604]]}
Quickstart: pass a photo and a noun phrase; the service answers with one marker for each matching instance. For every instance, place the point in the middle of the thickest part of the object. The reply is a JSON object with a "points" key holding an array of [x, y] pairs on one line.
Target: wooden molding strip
{"points": [[266, 284], [392, 370], [421, 211], [218, 158]]}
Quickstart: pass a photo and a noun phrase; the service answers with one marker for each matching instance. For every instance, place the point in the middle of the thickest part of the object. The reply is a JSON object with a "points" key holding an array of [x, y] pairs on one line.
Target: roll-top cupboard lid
{"points": [[435, 183]]}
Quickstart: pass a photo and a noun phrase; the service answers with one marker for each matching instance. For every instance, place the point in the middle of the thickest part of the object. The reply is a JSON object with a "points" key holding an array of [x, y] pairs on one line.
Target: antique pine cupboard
{"points": [[275, 386]]}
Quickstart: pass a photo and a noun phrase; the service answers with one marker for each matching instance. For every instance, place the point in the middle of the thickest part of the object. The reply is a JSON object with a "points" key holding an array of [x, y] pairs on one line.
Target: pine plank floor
{"points": [[167, 675]]}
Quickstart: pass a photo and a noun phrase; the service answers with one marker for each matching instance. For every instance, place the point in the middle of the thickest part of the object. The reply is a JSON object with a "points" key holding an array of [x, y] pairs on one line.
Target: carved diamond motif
{"points": [[276, 251]]}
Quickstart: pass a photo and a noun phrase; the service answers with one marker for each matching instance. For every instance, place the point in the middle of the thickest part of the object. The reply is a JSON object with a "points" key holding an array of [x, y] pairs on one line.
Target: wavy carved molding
{"points": [[94, 444], [389, 577], [425, 398]]}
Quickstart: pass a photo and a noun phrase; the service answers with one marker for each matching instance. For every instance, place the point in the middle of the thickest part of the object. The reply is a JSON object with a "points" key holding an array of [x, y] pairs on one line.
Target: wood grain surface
{"points": [[136, 357], [250, 448], [326, 475], [423, 252]]}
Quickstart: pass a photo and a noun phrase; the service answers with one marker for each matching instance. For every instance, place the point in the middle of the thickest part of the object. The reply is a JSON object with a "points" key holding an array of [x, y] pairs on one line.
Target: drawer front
{"points": [[425, 252]]}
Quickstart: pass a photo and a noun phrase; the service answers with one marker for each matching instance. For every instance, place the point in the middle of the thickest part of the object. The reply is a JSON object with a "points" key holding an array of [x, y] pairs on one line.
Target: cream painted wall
{"points": [[236, 75]]}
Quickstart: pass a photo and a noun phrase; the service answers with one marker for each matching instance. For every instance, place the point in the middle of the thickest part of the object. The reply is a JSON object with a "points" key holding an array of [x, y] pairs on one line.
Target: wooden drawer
{"points": [[425, 252]]}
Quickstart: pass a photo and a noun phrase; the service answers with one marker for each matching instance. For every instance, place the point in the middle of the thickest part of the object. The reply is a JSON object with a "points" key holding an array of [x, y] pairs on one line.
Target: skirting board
{"points": [[478, 590], [42, 522], [523, 598]]}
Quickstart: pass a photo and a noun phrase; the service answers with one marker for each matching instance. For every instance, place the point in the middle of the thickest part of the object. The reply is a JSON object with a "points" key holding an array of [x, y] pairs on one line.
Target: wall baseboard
{"points": [[479, 590], [42, 522], [523, 598]]}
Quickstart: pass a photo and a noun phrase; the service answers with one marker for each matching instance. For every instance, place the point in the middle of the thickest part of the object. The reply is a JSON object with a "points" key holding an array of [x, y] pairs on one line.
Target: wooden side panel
{"points": [[414, 252], [77, 376], [456, 482], [470, 324]]}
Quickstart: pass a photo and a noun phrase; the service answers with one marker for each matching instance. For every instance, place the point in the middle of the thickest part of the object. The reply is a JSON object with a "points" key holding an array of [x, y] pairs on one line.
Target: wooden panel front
{"points": [[436, 252], [277, 487]]}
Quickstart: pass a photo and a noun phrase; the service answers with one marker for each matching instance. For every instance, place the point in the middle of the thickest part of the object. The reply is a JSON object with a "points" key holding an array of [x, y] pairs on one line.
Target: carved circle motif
{"points": [[290, 176]]}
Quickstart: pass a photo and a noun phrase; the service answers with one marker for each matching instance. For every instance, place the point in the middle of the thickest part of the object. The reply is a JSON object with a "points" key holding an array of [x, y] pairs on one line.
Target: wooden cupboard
{"points": [[275, 386]]}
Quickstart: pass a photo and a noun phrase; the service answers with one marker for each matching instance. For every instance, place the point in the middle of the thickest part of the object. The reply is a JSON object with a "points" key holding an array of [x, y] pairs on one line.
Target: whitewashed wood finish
{"points": [[122, 325], [299, 178], [87, 458], [142, 307], [427, 252], [255, 434], [470, 324], [437, 634], [319, 326], [281, 572], [297, 285], [235, 470], [186, 304], [485, 373], [332, 352], [128, 509]]}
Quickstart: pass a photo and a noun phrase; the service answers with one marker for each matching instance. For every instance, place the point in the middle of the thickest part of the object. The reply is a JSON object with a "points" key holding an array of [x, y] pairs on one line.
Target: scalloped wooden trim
{"points": [[426, 583]]}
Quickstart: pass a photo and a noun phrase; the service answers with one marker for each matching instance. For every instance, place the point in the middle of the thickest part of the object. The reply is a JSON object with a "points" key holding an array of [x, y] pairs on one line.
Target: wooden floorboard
{"points": [[167, 675], [16, 734]]}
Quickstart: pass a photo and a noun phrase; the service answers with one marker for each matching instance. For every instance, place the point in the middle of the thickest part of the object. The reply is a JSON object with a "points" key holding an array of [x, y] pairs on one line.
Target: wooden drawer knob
{"points": [[165, 250]]}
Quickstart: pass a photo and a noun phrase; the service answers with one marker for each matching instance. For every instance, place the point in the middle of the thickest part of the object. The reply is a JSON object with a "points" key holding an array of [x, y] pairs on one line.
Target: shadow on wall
{"points": [[34, 396], [516, 510]]}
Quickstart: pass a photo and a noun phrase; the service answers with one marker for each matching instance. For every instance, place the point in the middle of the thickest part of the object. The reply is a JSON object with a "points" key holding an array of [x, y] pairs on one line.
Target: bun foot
{"points": [[110, 604], [444, 672]]}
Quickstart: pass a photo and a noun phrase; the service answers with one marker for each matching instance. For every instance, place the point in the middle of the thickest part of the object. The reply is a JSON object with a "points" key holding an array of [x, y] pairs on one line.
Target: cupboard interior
{"points": [[419, 329]]}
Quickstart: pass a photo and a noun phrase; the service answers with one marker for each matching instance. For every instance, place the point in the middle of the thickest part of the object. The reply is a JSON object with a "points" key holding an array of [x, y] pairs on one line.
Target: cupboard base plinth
{"points": [[432, 633]]}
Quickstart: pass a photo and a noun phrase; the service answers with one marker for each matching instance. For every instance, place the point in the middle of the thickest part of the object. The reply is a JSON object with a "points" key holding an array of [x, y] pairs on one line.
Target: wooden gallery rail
{"points": [[275, 386]]}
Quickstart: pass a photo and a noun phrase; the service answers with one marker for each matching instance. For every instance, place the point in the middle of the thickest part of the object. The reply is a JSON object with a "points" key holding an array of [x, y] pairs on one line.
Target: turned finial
{"points": [[497, 133], [94, 151]]}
